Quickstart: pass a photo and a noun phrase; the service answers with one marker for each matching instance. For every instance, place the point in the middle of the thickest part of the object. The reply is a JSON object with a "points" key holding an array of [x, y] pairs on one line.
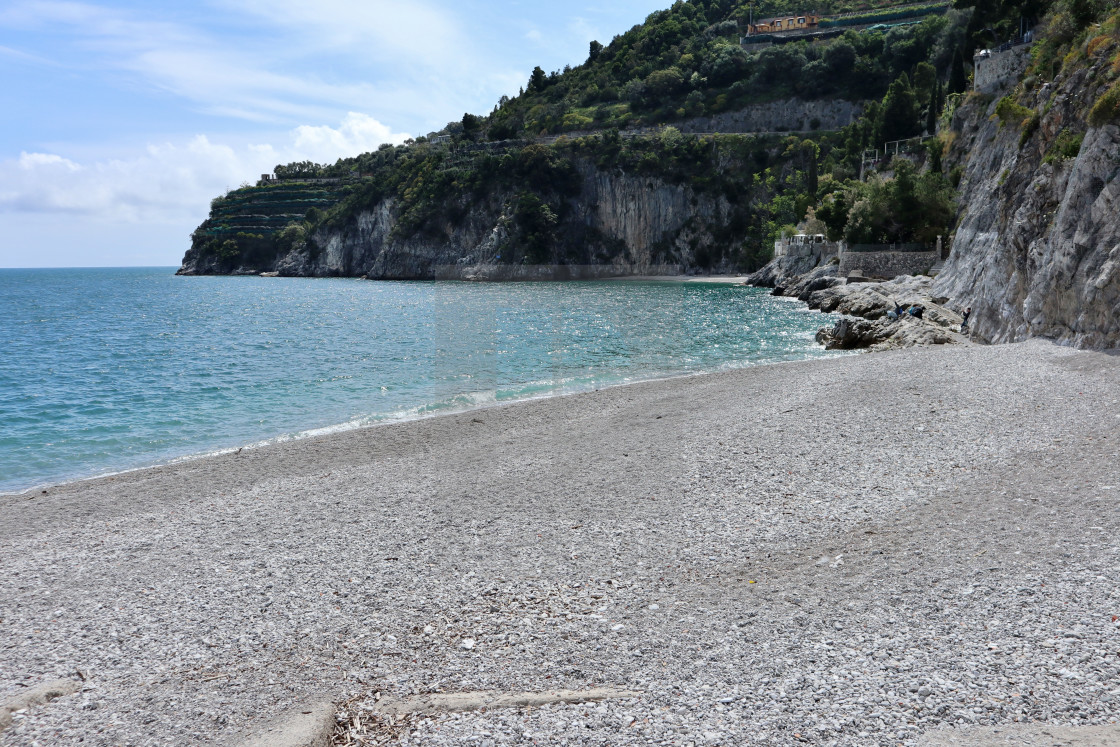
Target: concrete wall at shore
{"points": [[887, 264]]}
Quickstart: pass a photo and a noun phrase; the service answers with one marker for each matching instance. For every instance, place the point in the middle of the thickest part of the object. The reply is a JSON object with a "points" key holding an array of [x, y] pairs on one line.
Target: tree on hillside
{"points": [[1084, 12], [810, 154], [833, 212], [934, 147], [958, 82], [899, 119], [840, 56], [909, 207], [933, 110], [595, 50], [925, 78], [538, 81], [536, 222], [779, 66], [299, 170], [726, 65], [664, 82]]}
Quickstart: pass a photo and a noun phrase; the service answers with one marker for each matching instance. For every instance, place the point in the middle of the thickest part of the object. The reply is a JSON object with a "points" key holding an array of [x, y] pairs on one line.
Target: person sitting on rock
{"points": [[964, 319], [917, 310]]}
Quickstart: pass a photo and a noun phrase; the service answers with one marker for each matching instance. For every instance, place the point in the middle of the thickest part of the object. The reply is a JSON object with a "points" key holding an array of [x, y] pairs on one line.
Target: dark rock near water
{"points": [[817, 279], [874, 304], [782, 272]]}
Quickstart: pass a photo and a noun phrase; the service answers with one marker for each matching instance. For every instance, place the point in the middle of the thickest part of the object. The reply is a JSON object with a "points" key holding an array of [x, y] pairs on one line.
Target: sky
{"points": [[122, 120]]}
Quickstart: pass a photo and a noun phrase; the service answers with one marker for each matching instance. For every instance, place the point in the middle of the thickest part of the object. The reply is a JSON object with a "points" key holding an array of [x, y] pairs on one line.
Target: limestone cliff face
{"points": [[1037, 247], [643, 213], [617, 224], [367, 246]]}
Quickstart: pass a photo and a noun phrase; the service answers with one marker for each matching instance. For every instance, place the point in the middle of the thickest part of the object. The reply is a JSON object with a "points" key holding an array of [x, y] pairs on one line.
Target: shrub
{"points": [[574, 121], [292, 236], [1011, 113], [1067, 145], [227, 251], [1030, 125], [664, 82], [1096, 43], [1107, 108]]}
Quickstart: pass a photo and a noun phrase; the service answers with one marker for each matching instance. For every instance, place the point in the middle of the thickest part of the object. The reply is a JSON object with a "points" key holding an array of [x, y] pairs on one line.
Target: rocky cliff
{"points": [[1037, 247], [613, 223]]}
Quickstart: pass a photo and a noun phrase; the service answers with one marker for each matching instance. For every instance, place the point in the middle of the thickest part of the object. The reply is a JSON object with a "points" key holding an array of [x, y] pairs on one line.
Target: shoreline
{"points": [[708, 541], [392, 419], [717, 279]]}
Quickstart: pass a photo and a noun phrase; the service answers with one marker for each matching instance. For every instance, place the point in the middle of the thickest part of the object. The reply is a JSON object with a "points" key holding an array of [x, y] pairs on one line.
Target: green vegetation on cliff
{"points": [[687, 62], [537, 194], [526, 169]]}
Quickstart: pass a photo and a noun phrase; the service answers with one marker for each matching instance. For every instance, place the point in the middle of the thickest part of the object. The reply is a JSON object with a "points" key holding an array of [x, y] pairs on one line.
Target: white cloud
{"points": [[357, 132], [172, 181], [245, 79], [224, 83], [28, 161], [412, 33], [286, 61]]}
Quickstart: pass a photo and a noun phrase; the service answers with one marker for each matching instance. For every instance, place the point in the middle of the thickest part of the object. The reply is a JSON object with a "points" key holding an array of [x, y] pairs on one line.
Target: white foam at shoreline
{"points": [[480, 401]]}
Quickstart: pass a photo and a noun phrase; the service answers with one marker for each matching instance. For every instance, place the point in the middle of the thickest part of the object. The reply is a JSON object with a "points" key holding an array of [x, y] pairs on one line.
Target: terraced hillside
{"points": [[244, 224]]}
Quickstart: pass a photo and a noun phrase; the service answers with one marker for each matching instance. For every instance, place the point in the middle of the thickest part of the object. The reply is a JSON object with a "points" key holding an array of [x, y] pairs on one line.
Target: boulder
{"points": [[884, 334]]}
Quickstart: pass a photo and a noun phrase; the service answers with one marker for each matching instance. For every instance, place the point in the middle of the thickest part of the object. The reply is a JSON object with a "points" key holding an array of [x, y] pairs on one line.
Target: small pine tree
{"points": [[471, 124], [538, 81], [935, 156], [958, 82], [901, 117], [932, 111]]}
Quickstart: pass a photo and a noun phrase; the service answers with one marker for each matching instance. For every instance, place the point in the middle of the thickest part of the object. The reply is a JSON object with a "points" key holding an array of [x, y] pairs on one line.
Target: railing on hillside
{"points": [[1018, 41], [906, 145]]}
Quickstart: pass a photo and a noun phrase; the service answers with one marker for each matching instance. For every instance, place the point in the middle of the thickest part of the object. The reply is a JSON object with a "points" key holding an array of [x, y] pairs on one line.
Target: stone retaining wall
{"points": [[791, 115], [887, 264], [999, 70]]}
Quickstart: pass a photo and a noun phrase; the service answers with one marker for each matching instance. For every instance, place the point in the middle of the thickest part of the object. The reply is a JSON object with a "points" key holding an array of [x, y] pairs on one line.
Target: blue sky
{"points": [[123, 119]]}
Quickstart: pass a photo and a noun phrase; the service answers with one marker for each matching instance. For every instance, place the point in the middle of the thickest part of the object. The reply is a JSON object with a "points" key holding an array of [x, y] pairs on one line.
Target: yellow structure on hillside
{"points": [[784, 24]]}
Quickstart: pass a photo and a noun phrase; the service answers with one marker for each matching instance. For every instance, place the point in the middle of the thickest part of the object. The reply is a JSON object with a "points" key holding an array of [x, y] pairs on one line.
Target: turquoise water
{"points": [[103, 370]]}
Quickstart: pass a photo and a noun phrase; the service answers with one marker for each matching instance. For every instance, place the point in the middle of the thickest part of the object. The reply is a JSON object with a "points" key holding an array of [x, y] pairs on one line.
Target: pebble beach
{"points": [[914, 547]]}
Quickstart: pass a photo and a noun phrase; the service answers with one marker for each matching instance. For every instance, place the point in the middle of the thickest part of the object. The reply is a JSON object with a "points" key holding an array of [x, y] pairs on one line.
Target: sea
{"points": [[107, 370]]}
